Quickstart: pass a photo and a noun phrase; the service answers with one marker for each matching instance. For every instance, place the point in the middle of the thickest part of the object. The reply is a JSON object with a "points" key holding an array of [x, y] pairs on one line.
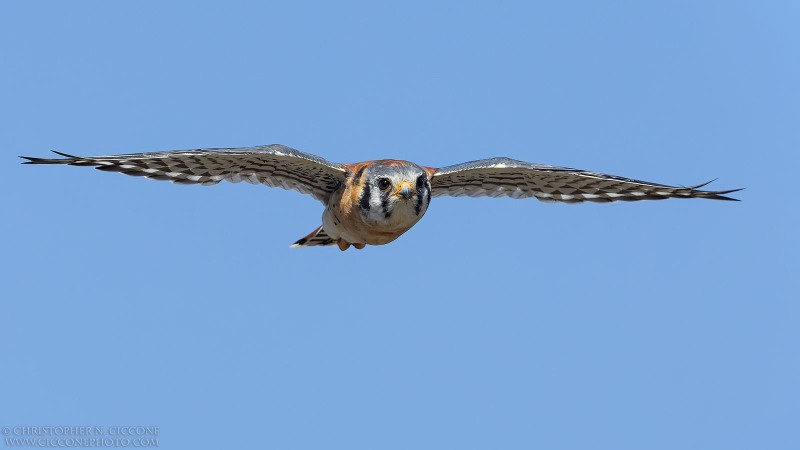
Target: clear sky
{"points": [[494, 323]]}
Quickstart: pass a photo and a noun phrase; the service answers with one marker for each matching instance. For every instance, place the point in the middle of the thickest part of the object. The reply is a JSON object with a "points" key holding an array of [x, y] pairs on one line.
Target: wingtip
{"points": [[721, 195], [714, 195], [66, 155], [698, 186], [34, 160]]}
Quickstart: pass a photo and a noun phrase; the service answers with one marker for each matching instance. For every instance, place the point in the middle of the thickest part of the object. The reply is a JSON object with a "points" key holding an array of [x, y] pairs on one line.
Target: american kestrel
{"points": [[374, 202]]}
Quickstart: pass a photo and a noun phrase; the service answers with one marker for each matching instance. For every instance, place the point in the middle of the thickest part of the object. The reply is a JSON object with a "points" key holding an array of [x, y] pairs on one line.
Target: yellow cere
{"points": [[401, 186]]}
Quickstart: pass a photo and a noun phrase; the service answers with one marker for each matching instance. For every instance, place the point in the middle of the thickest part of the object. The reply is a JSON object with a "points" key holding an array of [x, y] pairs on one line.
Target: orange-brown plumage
{"points": [[345, 212]]}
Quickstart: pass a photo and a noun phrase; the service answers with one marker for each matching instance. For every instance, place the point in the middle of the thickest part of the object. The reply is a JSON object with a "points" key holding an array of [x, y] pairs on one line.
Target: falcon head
{"points": [[393, 195]]}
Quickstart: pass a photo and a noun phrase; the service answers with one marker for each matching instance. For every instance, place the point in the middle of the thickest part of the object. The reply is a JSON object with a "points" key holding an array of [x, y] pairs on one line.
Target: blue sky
{"points": [[494, 323]]}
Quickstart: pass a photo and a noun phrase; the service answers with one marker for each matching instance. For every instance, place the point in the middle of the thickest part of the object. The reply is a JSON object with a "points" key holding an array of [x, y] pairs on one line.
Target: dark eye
{"points": [[384, 184]]}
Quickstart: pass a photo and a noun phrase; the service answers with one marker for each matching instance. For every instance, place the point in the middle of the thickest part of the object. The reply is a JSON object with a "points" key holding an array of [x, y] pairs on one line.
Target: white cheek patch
{"points": [[391, 212], [375, 205]]}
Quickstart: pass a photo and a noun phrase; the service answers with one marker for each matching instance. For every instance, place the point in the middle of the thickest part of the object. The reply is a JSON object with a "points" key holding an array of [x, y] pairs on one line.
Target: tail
{"points": [[317, 237]]}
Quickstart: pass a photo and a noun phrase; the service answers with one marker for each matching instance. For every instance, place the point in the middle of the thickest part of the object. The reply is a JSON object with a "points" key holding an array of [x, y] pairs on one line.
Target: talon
{"points": [[343, 245], [359, 246]]}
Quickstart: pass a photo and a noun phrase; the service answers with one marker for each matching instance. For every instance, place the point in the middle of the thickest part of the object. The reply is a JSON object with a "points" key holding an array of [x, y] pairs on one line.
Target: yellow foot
{"points": [[343, 245], [359, 246]]}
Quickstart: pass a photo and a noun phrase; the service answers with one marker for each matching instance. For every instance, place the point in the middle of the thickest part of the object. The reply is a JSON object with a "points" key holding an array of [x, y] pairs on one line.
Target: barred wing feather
{"points": [[505, 177], [271, 165]]}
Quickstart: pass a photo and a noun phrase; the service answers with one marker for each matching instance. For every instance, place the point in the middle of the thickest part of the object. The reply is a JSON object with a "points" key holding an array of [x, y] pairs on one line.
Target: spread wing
{"points": [[504, 177], [271, 165]]}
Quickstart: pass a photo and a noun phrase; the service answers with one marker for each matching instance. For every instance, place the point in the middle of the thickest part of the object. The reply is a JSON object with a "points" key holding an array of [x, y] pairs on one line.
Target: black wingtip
{"points": [[66, 160], [698, 186], [66, 155], [714, 195], [33, 160], [720, 195]]}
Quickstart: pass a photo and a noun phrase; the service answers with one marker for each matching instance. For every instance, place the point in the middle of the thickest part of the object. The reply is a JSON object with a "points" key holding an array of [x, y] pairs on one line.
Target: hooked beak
{"points": [[404, 190]]}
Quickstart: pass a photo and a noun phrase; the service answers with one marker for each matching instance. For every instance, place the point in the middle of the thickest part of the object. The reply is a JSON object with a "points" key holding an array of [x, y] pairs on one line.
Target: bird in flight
{"points": [[374, 202]]}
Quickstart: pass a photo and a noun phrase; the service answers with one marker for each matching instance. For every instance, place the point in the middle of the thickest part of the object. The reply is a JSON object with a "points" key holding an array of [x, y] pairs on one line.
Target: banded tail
{"points": [[316, 237]]}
